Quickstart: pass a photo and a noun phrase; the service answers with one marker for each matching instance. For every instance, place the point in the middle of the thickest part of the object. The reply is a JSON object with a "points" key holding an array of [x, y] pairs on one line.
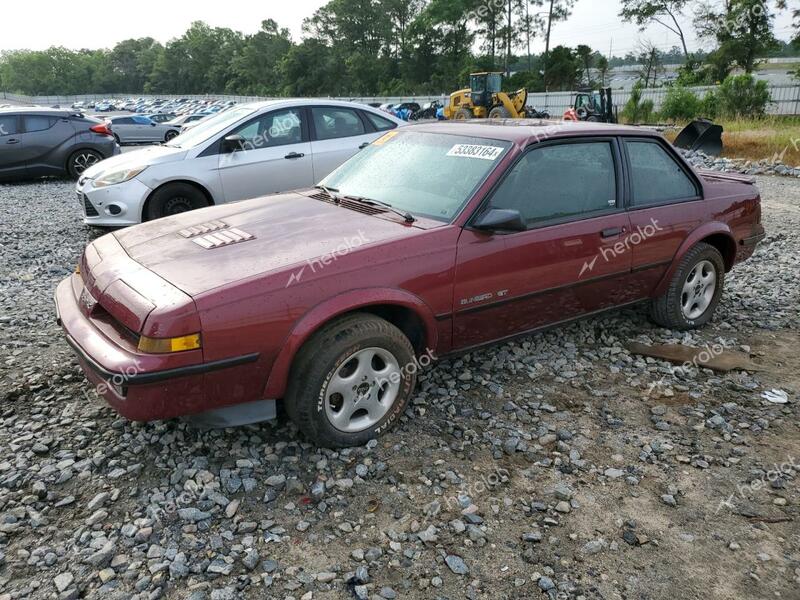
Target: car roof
{"points": [[525, 131], [40, 110]]}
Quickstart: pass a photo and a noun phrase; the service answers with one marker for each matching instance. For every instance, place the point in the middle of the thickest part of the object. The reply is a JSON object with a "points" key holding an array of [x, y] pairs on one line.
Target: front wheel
{"points": [[170, 135], [694, 292], [351, 381], [499, 112], [174, 199]]}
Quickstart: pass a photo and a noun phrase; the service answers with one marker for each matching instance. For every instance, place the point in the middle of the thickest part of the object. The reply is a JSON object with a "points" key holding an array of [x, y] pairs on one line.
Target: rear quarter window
{"points": [[37, 123], [657, 177]]}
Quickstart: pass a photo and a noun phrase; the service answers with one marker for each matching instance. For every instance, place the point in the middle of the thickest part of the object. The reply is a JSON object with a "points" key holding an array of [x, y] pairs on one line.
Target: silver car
{"points": [[248, 151], [138, 129]]}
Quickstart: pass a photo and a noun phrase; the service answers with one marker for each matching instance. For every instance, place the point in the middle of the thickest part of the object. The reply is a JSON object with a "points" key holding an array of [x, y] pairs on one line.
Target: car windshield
{"points": [[209, 128], [427, 174]]}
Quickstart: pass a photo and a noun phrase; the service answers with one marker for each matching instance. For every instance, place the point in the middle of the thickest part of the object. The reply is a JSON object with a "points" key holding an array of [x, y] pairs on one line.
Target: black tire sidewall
{"points": [[696, 255], [324, 356], [155, 206]]}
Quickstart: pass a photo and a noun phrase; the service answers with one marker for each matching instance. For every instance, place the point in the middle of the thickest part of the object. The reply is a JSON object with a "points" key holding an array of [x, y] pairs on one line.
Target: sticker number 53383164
{"points": [[475, 151]]}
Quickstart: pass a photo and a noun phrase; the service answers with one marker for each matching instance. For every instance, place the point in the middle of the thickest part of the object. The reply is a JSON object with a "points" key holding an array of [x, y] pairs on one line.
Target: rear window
{"points": [[38, 123], [8, 125], [332, 122]]}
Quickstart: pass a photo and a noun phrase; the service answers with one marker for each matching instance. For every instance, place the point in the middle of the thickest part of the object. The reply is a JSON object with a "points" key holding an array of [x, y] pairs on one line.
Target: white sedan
{"points": [[248, 151]]}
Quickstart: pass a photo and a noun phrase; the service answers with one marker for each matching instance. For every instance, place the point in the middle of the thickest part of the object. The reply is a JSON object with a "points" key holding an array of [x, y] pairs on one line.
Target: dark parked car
{"points": [[35, 142], [435, 239]]}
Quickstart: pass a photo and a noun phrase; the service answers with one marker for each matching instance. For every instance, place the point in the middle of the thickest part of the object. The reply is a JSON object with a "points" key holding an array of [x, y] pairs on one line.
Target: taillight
{"points": [[101, 128]]}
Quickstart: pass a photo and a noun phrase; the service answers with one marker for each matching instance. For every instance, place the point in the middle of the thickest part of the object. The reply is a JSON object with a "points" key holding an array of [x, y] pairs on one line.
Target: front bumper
{"points": [[140, 387], [117, 205]]}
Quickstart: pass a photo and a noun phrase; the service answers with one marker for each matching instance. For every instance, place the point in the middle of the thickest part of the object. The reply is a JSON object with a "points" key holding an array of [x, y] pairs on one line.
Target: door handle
{"points": [[612, 232], [364, 145], [293, 155], [13, 141]]}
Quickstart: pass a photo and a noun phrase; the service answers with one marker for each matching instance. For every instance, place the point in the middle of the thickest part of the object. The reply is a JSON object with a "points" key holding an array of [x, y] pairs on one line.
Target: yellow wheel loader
{"points": [[484, 98]]}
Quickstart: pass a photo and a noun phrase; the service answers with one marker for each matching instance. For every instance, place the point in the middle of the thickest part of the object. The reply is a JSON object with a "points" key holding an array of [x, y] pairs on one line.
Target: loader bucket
{"points": [[702, 135]]}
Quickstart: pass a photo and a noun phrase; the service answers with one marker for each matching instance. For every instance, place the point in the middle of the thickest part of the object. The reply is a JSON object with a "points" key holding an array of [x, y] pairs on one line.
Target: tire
{"points": [[694, 292], [116, 137], [173, 199], [360, 341], [81, 160], [499, 112], [170, 135], [463, 114]]}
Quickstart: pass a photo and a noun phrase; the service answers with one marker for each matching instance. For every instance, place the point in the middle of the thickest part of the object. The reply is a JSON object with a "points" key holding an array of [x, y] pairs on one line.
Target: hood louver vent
{"points": [[203, 229], [224, 237]]}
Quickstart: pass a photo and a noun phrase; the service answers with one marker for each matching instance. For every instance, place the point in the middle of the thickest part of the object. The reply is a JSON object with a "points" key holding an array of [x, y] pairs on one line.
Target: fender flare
{"points": [[696, 236], [332, 308]]}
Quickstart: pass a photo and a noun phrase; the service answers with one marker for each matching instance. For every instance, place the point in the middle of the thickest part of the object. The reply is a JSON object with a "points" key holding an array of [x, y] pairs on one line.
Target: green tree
{"points": [[666, 13], [743, 30], [563, 68], [559, 10], [586, 55], [743, 96]]}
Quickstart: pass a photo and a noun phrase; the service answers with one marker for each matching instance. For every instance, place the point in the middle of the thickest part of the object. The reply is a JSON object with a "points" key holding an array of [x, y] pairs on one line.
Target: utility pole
{"points": [[547, 43]]}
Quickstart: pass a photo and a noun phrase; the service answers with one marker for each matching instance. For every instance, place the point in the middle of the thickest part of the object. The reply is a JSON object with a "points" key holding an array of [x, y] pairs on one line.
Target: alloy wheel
{"points": [[362, 389], [698, 290]]}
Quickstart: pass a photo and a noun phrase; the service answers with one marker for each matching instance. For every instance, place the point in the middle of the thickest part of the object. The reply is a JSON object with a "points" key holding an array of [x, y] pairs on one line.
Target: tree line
{"points": [[399, 47]]}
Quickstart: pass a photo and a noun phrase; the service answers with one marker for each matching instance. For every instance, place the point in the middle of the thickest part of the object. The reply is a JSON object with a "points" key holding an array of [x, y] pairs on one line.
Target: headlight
{"points": [[115, 177]]}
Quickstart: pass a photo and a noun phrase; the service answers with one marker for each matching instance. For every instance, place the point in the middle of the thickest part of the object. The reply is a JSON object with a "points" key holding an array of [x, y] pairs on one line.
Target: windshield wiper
{"points": [[407, 216], [332, 192]]}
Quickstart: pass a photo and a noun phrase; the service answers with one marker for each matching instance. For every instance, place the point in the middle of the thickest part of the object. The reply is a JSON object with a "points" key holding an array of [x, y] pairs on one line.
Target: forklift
{"points": [[592, 106]]}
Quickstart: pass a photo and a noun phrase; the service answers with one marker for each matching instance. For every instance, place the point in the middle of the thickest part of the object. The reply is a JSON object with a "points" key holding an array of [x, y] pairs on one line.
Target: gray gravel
{"points": [[557, 466]]}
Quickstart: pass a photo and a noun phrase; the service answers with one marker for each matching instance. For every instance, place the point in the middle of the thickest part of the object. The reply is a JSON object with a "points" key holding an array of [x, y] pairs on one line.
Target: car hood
{"points": [[204, 249], [152, 155]]}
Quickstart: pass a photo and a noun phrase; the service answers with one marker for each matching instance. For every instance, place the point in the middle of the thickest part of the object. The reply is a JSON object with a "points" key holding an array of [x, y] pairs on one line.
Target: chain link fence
{"points": [[785, 98]]}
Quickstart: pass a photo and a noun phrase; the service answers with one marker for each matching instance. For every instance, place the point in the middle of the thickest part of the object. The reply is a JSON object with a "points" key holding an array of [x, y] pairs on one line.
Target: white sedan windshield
{"points": [[426, 174]]}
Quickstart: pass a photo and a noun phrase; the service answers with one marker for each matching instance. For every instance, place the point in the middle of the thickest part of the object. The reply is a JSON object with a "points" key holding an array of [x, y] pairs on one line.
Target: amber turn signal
{"points": [[166, 345]]}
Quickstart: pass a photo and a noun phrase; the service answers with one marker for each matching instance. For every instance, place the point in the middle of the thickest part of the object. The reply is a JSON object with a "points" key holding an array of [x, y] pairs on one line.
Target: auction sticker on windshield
{"points": [[475, 151]]}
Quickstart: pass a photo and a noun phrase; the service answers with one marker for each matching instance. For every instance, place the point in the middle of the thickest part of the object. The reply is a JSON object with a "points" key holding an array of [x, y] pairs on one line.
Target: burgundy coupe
{"points": [[433, 240]]}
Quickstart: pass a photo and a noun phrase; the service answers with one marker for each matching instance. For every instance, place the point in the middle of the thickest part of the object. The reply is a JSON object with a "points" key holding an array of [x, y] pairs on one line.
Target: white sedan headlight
{"points": [[115, 177]]}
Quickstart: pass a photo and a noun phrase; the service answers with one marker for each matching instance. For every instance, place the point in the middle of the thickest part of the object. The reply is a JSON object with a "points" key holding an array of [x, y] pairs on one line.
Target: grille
{"points": [[350, 204], [91, 211]]}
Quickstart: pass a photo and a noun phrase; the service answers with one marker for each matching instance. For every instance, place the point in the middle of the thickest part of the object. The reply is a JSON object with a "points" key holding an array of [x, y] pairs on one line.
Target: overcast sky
{"points": [[70, 24]]}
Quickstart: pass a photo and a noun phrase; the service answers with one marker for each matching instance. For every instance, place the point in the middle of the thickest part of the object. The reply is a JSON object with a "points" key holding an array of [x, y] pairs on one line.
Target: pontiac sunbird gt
{"points": [[435, 239]]}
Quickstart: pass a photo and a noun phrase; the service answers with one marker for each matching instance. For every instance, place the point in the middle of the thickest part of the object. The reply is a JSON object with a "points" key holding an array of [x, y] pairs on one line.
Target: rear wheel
{"points": [[499, 112], [463, 114], [694, 292], [82, 160], [174, 199], [351, 381]]}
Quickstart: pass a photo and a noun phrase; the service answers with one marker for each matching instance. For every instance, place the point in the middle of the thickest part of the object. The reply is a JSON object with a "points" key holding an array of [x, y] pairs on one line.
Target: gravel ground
{"points": [[559, 466]]}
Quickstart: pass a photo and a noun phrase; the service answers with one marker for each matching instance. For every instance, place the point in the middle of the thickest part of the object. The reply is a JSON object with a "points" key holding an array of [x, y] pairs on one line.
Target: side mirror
{"points": [[500, 219], [233, 143]]}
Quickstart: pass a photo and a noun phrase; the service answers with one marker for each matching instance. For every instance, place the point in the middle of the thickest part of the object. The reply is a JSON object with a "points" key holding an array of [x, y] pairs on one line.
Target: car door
{"points": [[146, 130], [275, 156], [46, 140], [125, 129], [570, 259], [665, 207], [338, 133], [12, 162]]}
